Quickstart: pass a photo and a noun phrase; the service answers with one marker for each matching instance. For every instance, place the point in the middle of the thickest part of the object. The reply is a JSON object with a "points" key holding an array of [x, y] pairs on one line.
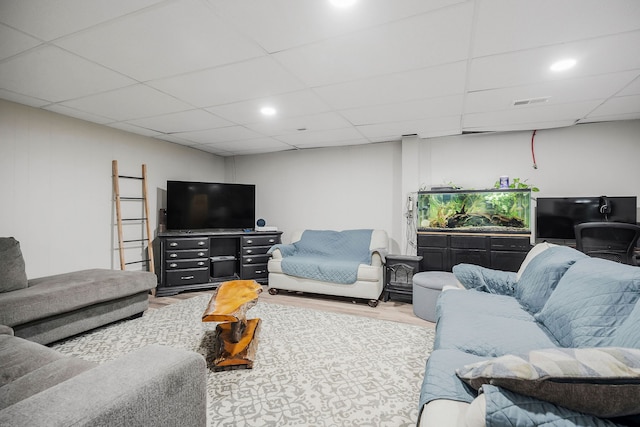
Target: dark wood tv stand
{"points": [[202, 259]]}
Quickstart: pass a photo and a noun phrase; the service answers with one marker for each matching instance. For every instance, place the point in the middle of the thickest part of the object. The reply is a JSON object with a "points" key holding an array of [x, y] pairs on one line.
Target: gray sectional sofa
{"points": [[556, 344], [52, 308], [154, 386]]}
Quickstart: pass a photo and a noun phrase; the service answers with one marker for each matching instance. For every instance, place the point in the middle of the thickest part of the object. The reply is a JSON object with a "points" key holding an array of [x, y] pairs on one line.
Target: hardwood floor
{"points": [[395, 311]]}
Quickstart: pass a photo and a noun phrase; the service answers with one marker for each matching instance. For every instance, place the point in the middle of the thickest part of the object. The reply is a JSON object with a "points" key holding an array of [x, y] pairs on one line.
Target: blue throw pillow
{"points": [[628, 334], [541, 276], [591, 302]]}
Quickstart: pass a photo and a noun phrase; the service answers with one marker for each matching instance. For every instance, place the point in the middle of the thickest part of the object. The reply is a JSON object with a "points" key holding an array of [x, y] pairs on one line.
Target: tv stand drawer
{"points": [[187, 243], [187, 276]]}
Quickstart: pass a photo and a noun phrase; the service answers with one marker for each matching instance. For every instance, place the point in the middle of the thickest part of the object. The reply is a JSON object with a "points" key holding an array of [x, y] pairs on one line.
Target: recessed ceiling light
{"points": [[563, 65], [343, 3], [268, 111]]}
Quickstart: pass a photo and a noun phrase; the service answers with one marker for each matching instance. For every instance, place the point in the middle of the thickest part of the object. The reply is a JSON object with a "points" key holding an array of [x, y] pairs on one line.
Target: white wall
{"points": [[332, 188], [584, 160], [56, 188], [56, 195]]}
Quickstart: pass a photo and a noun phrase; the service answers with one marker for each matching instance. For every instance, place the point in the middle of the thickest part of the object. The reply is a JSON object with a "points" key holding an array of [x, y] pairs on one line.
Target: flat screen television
{"points": [[210, 206], [556, 216]]}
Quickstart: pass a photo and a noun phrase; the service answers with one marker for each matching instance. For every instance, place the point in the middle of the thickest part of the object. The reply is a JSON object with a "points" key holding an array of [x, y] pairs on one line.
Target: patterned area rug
{"points": [[312, 368]]}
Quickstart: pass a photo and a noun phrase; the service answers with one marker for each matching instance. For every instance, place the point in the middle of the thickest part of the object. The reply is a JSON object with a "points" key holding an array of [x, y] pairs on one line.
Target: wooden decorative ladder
{"points": [[120, 219]]}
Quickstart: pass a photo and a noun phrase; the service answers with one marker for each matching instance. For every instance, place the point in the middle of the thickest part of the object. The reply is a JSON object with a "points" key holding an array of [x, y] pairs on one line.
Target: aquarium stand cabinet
{"points": [[200, 260], [440, 251]]}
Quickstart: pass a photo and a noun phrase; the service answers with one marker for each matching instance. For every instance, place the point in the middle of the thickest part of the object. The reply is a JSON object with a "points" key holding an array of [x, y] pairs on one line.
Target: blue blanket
{"points": [[328, 256]]}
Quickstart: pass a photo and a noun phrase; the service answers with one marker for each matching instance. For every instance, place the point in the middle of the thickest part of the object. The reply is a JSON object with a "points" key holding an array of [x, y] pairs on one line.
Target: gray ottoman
{"points": [[426, 289]]}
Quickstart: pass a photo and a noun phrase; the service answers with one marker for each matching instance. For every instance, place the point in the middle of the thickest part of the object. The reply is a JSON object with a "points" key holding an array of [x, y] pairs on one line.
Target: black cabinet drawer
{"points": [[255, 250], [437, 241], [268, 240], [187, 277], [468, 242], [257, 271], [510, 243], [195, 253], [185, 243], [476, 257], [255, 259], [190, 263], [507, 260]]}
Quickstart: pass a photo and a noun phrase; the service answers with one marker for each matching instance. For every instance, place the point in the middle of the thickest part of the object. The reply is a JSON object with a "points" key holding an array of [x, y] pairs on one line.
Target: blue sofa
{"points": [[556, 343]]}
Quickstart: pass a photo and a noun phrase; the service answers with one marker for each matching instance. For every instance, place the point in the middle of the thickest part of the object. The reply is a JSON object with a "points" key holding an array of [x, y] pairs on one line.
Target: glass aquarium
{"points": [[482, 211]]}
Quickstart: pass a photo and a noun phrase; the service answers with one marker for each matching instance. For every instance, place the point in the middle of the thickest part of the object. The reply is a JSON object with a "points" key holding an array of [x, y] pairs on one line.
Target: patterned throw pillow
{"points": [[604, 382], [12, 271]]}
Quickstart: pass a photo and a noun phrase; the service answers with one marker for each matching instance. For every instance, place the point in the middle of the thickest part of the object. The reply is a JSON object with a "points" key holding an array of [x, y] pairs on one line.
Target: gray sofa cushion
{"points": [[474, 304], [12, 270], [29, 368], [628, 334], [64, 293], [591, 302], [542, 275]]}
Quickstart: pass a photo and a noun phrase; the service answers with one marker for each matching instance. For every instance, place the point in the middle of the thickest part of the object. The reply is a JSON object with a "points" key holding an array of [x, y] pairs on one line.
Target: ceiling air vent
{"points": [[531, 101]]}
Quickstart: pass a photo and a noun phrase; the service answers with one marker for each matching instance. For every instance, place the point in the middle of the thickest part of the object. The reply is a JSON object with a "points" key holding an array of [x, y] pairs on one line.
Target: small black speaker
{"points": [[261, 222]]}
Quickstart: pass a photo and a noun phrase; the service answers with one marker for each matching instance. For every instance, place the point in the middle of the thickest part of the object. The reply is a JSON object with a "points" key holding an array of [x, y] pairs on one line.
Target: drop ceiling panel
{"points": [[182, 121], [619, 105], [78, 114], [250, 79], [282, 24], [146, 46], [424, 127], [131, 102], [409, 85], [530, 114], [252, 144], [12, 42], [318, 137], [54, 75], [507, 25], [413, 110], [48, 20], [215, 136], [632, 88], [560, 91], [291, 104], [22, 99], [312, 123], [598, 56], [421, 41]]}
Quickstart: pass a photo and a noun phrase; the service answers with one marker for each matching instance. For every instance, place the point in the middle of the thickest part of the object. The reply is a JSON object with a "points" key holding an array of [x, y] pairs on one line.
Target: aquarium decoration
{"points": [[488, 211]]}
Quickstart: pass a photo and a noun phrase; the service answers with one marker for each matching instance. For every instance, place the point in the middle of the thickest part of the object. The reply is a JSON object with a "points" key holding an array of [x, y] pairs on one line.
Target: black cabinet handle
{"points": [[173, 244], [173, 265], [173, 255]]}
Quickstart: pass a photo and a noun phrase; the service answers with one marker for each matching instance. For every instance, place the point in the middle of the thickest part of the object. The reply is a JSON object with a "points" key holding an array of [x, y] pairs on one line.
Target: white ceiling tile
{"points": [[252, 144], [330, 143], [131, 102], [597, 56], [176, 140], [78, 114], [287, 105], [215, 136], [256, 78], [134, 129], [421, 83], [559, 91], [534, 125], [413, 110], [530, 114], [13, 42], [52, 74], [507, 25], [213, 150], [22, 99], [144, 46], [393, 131], [632, 88], [312, 123], [51, 19], [324, 136], [614, 117], [182, 121], [421, 41], [282, 24], [617, 105]]}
